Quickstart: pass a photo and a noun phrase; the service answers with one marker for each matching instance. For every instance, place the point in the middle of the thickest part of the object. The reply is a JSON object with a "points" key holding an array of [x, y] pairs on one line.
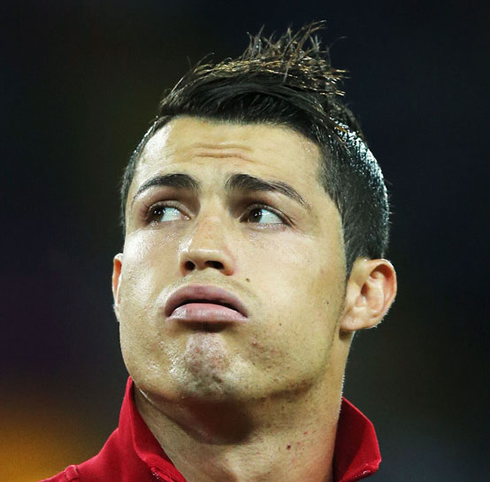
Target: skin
{"points": [[254, 400]]}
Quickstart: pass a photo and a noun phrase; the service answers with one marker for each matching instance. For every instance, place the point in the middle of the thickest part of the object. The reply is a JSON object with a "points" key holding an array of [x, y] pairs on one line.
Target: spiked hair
{"points": [[289, 81]]}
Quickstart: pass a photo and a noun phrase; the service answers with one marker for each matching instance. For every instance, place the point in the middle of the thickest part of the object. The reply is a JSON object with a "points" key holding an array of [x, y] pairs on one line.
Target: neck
{"points": [[268, 439]]}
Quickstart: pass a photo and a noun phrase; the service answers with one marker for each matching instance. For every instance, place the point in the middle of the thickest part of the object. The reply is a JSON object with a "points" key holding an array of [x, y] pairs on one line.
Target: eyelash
{"points": [[149, 212], [285, 220]]}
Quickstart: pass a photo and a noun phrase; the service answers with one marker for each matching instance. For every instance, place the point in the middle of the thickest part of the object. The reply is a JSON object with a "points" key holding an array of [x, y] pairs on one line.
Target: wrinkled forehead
{"points": [[274, 149]]}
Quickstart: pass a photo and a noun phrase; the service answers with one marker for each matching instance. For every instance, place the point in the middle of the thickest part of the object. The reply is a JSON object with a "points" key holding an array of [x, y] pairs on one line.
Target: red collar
{"points": [[356, 448], [356, 453]]}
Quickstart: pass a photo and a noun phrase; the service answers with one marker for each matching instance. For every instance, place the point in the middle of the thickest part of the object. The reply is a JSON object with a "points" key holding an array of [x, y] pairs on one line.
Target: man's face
{"points": [[247, 215]]}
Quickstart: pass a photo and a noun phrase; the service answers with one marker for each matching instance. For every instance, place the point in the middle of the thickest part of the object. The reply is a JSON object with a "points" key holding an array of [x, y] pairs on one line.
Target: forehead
{"points": [[217, 147]]}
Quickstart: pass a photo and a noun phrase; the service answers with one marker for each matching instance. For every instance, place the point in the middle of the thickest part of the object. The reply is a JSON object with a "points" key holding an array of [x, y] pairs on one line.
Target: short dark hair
{"points": [[289, 81]]}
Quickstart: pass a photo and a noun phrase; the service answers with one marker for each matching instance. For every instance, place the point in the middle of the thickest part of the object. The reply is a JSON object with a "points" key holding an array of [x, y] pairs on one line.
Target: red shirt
{"points": [[132, 454]]}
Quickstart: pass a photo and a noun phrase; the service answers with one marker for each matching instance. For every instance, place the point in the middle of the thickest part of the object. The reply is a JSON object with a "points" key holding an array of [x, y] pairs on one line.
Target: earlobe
{"points": [[370, 292], [116, 278]]}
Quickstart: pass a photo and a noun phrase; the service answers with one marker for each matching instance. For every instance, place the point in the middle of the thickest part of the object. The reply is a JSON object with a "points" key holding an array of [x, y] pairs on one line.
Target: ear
{"points": [[370, 292], [116, 278]]}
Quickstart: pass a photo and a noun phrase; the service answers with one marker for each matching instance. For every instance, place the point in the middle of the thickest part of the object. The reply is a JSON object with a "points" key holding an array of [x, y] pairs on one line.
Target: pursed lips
{"points": [[205, 304]]}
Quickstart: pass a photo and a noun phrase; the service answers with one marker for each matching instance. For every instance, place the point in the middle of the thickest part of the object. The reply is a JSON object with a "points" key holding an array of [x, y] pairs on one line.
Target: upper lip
{"points": [[203, 294]]}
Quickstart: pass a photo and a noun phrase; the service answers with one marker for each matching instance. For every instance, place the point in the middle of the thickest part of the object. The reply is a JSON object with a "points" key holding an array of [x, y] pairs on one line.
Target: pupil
{"points": [[158, 211], [256, 214]]}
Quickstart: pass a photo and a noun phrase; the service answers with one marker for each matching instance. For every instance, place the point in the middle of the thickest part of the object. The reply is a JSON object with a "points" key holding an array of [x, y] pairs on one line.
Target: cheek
{"points": [[304, 272], [143, 250], [148, 264], [302, 287], [144, 275]]}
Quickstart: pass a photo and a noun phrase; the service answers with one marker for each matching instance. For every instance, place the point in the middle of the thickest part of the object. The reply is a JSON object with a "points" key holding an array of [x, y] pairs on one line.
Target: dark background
{"points": [[80, 82]]}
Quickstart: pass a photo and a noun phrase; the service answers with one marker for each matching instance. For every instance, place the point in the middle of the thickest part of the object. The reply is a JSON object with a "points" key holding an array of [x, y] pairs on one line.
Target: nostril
{"points": [[189, 265], [215, 264], [199, 264]]}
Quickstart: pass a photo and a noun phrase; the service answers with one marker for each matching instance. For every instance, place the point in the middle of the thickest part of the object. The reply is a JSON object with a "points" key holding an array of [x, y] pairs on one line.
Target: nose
{"points": [[207, 248]]}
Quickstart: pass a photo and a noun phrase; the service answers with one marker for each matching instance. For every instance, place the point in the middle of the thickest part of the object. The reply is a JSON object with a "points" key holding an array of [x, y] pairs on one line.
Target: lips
{"points": [[205, 304]]}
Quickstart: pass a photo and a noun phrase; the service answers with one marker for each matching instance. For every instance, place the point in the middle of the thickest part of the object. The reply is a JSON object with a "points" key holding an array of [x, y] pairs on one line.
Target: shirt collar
{"points": [[356, 453]]}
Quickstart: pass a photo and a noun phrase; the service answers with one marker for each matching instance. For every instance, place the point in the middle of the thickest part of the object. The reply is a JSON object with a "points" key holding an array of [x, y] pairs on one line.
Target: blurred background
{"points": [[80, 82]]}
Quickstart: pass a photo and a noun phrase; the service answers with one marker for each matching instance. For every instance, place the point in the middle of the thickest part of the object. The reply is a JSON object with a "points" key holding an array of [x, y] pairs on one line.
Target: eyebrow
{"points": [[181, 181], [236, 182], [246, 182]]}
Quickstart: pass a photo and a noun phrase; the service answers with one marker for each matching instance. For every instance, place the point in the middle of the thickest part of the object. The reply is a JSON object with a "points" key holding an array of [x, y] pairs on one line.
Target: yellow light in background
{"points": [[38, 440]]}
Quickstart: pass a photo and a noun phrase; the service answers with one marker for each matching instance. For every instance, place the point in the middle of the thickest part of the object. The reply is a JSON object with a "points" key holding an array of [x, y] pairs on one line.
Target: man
{"points": [[256, 221]]}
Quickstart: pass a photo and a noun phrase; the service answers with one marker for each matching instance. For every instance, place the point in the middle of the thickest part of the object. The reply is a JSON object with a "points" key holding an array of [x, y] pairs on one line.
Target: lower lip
{"points": [[206, 313]]}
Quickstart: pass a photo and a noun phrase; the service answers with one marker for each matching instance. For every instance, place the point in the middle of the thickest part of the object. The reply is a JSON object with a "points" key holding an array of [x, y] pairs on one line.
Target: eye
{"points": [[261, 215], [164, 214]]}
